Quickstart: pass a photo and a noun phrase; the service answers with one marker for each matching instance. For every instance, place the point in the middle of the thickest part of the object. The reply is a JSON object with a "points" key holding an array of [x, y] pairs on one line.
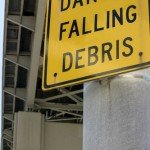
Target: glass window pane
{"points": [[25, 41], [7, 124], [6, 145], [8, 104], [19, 105], [10, 68], [14, 7], [11, 47], [22, 78], [29, 7]]}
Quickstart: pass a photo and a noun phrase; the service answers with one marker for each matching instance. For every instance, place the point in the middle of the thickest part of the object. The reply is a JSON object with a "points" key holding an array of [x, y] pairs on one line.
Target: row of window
{"points": [[12, 105], [18, 41], [12, 40], [21, 81], [6, 145], [28, 7]]}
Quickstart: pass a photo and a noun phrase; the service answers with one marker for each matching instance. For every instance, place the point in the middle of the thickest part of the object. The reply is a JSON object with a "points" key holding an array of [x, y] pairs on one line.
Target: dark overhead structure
{"points": [[22, 67]]}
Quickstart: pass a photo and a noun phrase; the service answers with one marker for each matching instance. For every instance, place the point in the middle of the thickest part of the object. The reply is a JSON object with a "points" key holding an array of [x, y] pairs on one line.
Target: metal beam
{"points": [[7, 138], [8, 132], [64, 119], [69, 107], [15, 63], [15, 96], [15, 22], [54, 116], [59, 96], [75, 98], [38, 35], [9, 117], [67, 112]]}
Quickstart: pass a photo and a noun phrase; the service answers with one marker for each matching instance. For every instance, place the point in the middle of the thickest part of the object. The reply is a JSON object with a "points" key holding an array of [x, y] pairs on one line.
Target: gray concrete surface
{"points": [[28, 131], [32, 132], [117, 113], [63, 136]]}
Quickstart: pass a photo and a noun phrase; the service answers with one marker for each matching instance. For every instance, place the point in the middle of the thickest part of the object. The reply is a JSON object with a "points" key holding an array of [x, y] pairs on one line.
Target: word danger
{"points": [[67, 4]]}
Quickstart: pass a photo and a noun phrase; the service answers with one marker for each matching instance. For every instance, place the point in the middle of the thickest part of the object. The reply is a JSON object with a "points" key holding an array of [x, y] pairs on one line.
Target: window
{"points": [[8, 104], [22, 78], [10, 68], [9, 74], [19, 105], [12, 38], [25, 41], [9, 82], [29, 7], [11, 47], [14, 7], [7, 124], [6, 145], [12, 32]]}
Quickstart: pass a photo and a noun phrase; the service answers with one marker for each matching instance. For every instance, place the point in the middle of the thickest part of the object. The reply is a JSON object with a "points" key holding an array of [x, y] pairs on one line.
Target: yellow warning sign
{"points": [[91, 39]]}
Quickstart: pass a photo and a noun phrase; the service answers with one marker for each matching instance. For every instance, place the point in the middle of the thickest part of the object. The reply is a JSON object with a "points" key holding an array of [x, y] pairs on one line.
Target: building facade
{"points": [[22, 67]]}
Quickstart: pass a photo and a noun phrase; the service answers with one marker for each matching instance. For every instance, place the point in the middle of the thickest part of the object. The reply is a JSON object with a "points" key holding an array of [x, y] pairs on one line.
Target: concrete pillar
{"points": [[32, 132], [28, 131], [117, 113]]}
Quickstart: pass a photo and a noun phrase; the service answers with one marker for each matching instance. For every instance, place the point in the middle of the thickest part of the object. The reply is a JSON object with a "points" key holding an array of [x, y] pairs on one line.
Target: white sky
{"points": [[1, 52]]}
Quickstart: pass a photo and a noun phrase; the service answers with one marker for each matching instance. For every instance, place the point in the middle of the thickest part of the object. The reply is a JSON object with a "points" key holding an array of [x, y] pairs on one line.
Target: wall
{"points": [[33, 133], [119, 116], [28, 131], [62, 136]]}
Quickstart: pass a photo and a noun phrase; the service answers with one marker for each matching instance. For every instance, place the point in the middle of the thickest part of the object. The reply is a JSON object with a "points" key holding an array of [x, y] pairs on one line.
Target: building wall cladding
{"points": [[22, 65], [119, 113], [20, 19], [32, 132]]}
